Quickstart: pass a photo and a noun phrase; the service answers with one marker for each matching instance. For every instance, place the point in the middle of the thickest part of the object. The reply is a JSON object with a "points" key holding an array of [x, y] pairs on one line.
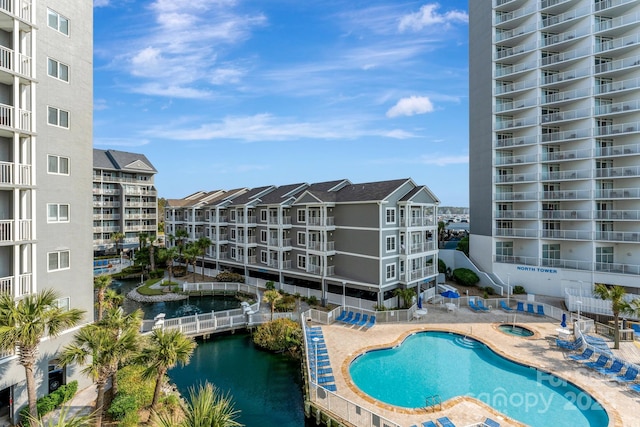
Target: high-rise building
{"points": [[46, 103], [125, 200], [337, 241], [554, 142]]}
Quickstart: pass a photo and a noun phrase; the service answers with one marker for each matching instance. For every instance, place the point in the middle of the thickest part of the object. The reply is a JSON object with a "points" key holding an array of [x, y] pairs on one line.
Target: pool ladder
{"points": [[432, 402]]}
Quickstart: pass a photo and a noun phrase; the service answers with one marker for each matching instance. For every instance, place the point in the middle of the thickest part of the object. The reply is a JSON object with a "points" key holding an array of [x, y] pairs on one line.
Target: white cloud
{"points": [[428, 17], [411, 106], [444, 160], [266, 127], [173, 91], [100, 3], [117, 142]]}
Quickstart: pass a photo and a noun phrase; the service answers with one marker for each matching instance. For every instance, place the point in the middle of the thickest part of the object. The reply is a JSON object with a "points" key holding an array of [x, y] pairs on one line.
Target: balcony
{"points": [[8, 119], [517, 196], [620, 64], [140, 192], [619, 107], [565, 175], [246, 240], [519, 31], [555, 156], [620, 86], [416, 222], [24, 285], [416, 248], [618, 236], [7, 234], [565, 115], [7, 171], [320, 222], [566, 76], [7, 59], [567, 234], [511, 178], [565, 17], [618, 193], [515, 105], [565, 56], [617, 22], [548, 3], [569, 95], [515, 214], [608, 45], [618, 268], [502, 18], [619, 129], [566, 135], [607, 4], [509, 52], [321, 246], [285, 220], [109, 191], [512, 142], [514, 160], [320, 271], [619, 172], [563, 37], [566, 214], [504, 88], [514, 123], [417, 274], [515, 232], [565, 195], [618, 214]]}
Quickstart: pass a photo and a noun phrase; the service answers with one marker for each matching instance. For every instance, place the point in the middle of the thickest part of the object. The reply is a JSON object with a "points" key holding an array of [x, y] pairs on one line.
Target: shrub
{"points": [[489, 290], [465, 277], [51, 401], [463, 245], [286, 303], [518, 290], [228, 276], [179, 271], [279, 335], [270, 285], [312, 300], [442, 267], [156, 274], [131, 419], [121, 405]]}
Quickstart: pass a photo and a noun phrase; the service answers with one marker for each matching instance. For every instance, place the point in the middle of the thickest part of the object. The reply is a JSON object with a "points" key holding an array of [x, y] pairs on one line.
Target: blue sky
{"points": [[221, 94]]}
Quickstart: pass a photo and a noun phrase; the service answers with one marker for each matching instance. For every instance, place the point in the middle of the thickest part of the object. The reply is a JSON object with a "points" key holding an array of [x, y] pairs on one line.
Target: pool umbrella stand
{"points": [[450, 294]]}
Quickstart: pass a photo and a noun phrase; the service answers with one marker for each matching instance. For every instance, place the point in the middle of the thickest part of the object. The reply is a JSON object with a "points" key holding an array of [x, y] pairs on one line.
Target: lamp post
{"points": [[344, 294], [508, 287], [579, 322]]}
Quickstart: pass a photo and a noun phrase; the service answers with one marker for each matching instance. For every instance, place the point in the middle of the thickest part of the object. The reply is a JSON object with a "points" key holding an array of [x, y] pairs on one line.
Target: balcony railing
{"points": [[565, 155], [285, 220], [417, 274], [517, 196], [618, 236], [566, 214], [622, 128], [515, 232], [566, 175], [416, 222], [566, 234], [416, 248], [566, 96], [618, 193], [322, 222], [502, 88], [515, 123], [511, 142], [501, 18], [516, 214], [507, 52], [566, 135], [618, 214], [508, 34], [565, 195], [618, 86], [619, 21], [320, 271], [565, 115], [511, 160], [606, 4], [515, 177], [321, 246], [616, 43], [565, 56], [571, 14], [618, 268], [626, 171], [618, 107], [617, 65], [6, 231], [563, 37]]}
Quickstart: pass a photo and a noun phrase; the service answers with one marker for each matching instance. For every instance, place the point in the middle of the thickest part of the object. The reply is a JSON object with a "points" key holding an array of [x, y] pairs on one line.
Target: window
{"points": [[302, 238], [302, 262], [58, 260], [233, 234], [391, 243], [263, 235], [57, 117], [604, 255], [263, 215], [391, 271], [63, 303], [58, 165], [232, 215], [57, 70], [302, 216], [391, 215], [263, 257], [57, 212], [57, 22], [233, 253]]}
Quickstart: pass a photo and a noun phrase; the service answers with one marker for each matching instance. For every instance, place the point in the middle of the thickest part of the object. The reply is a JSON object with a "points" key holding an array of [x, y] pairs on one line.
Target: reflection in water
{"points": [[173, 309]]}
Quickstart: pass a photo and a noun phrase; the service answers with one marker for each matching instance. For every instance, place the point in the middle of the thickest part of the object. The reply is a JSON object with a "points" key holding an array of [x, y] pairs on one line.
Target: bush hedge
{"points": [[228, 276], [465, 277], [52, 400]]}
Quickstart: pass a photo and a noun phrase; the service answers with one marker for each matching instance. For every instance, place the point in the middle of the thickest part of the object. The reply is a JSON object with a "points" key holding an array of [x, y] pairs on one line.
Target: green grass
{"points": [[146, 288]]}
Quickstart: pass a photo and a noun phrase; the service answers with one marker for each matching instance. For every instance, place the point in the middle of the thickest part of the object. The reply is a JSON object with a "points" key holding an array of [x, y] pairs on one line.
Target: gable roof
{"points": [[415, 193], [122, 160], [369, 191]]}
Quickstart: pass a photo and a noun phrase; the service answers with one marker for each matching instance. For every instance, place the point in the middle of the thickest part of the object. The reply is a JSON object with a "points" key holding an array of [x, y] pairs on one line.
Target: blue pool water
{"points": [[449, 365]]}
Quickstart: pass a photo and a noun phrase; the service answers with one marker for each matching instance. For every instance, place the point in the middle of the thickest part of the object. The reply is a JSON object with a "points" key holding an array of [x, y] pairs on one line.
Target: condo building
{"points": [[554, 148], [46, 103], [338, 241], [125, 200]]}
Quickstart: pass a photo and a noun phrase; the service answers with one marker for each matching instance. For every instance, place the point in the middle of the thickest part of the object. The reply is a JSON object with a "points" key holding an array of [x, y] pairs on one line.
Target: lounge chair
{"points": [[530, 309], [372, 322], [569, 345], [636, 328], [330, 387], [355, 320], [585, 355], [348, 318], [614, 369], [481, 306], [329, 379], [520, 307], [488, 422], [325, 371], [363, 321], [600, 363], [540, 311], [445, 422], [635, 387], [505, 307], [629, 376], [320, 363], [473, 306], [429, 424], [342, 316]]}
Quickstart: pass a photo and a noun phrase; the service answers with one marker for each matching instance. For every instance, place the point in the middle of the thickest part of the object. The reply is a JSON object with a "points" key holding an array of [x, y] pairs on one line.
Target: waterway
{"points": [[172, 309], [266, 388]]}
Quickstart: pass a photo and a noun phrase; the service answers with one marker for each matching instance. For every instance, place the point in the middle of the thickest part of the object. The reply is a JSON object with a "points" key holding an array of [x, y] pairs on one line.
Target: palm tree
{"points": [[112, 299], [441, 228], [271, 297], [207, 407], [181, 236], [117, 322], [117, 238], [405, 294], [165, 350], [24, 323], [615, 294], [64, 420], [95, 348], [190, 256], [101, 283], [171, 254], [202, 244]]}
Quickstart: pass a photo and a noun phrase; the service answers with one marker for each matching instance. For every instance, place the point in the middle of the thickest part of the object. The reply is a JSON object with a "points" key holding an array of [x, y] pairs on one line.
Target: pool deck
{"points": [[345, 343]]}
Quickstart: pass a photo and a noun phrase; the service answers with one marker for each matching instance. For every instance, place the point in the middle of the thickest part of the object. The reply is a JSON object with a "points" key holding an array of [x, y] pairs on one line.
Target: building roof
{"points": [[252, 195], [282, 194], [122, 160], [369, 191]]}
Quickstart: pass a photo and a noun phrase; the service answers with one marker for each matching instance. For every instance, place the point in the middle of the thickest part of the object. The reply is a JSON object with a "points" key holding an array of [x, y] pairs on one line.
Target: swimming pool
{"points": [[450, 365]]}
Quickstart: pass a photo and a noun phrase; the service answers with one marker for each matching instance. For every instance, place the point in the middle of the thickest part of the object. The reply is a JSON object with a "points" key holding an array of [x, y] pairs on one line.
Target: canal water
{"points": [[266, 388]]}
